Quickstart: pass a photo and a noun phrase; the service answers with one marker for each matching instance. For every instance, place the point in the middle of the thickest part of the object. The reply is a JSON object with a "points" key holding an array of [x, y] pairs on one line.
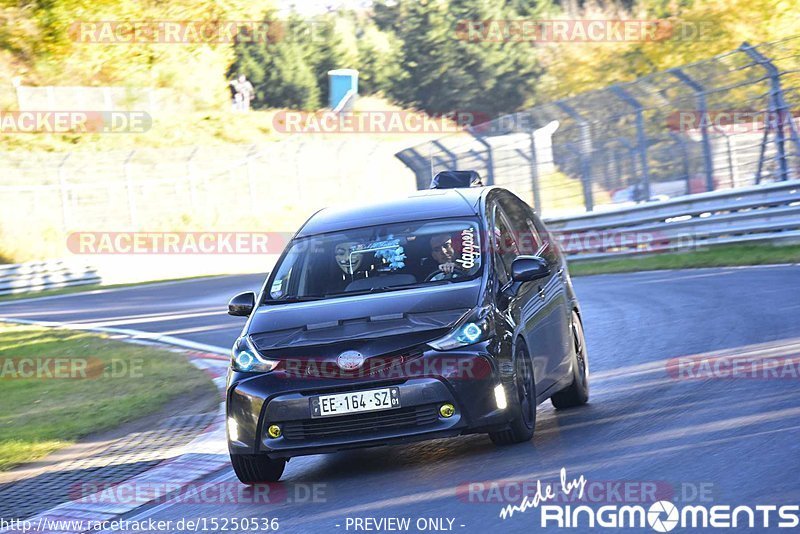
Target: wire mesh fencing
{"points": [[271, 186], [726, 122]]}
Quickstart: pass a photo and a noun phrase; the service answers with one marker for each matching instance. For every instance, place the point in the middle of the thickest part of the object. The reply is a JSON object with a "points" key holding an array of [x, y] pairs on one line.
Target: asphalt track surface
{"points": [[711, 441]]}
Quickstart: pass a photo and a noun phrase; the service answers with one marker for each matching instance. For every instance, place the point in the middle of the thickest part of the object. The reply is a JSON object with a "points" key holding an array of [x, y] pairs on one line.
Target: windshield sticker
{"points": [[469, 249], [390, 251], [276, 288]]}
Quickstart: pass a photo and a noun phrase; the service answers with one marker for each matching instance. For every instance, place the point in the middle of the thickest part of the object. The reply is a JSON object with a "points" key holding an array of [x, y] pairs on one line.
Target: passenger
{"points": [[345, 259]]}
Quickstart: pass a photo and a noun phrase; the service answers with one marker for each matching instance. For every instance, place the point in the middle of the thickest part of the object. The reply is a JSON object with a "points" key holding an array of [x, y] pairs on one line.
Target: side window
{"points": [[504, 243], [521, 220], [493, 241], [551, 249]]}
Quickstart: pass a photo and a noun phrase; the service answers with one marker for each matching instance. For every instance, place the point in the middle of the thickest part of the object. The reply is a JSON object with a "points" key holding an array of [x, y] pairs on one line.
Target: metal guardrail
{"points": [[761, 213], [38, 276]]}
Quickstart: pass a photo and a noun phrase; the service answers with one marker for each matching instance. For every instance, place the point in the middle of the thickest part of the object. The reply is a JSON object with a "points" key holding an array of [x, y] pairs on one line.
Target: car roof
{"points": [[420, 205]]}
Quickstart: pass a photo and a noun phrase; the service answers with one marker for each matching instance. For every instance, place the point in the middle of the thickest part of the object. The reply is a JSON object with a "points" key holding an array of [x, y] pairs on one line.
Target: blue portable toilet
{"points": [[341, 82]]}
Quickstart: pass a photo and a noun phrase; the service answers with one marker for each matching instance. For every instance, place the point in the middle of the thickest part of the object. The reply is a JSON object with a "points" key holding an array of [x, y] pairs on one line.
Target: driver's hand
{"points": [[447, 268]]}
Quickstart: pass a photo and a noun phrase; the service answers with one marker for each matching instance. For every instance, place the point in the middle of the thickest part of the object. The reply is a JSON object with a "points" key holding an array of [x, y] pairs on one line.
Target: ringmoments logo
{"points": [[660, 516]]}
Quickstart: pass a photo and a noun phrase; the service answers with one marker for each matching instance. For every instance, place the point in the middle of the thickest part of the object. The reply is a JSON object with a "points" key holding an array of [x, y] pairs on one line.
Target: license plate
{"points": [[355, 402]]}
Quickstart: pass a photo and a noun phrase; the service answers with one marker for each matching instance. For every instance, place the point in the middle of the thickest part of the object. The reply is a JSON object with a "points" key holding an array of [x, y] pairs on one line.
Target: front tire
{"points": [[521, 428], [577, 393], [254, 469]]}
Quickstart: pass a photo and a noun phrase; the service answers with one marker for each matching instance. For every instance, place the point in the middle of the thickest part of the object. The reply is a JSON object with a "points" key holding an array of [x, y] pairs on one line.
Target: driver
{"points": [[443, 254]]}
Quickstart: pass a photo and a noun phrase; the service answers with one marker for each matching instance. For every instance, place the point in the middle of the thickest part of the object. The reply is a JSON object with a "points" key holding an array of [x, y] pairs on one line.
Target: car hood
{"points": [[372, 324]]}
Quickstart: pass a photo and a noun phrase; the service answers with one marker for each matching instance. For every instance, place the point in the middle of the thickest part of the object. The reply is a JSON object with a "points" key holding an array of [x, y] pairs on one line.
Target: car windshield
{"points": [[378, 258]]}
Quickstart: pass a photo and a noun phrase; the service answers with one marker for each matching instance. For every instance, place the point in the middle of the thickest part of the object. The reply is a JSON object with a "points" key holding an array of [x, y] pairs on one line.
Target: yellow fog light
{"points": [[447, 410], [274, 431]]}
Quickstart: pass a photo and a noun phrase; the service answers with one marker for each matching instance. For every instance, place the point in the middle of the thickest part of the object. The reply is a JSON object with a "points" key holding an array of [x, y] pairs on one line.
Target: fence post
{"points": [[732, 174], [684, 161], [489, 159], [453, 158], [63, 186], [641, 136], [418, 164], [762, 151], [131, 193], [537, 199], [778, 104], [585, 150], [702, 105]]}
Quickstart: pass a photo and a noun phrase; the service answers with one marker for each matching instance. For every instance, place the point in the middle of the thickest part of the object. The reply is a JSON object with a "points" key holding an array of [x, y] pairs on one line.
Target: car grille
{"points": [[349, 425]]}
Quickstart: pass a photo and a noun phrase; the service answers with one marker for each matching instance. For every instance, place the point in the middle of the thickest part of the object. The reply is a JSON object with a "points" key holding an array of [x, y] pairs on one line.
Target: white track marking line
{"points": [[143, 285]]}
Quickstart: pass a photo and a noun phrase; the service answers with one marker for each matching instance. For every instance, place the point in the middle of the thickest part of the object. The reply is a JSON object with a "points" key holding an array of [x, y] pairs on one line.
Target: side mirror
{"points": [[529, 268], [242, 304]]}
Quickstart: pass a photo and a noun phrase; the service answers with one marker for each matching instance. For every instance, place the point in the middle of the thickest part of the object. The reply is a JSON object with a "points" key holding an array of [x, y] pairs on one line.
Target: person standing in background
{"points": [[243, 93]]}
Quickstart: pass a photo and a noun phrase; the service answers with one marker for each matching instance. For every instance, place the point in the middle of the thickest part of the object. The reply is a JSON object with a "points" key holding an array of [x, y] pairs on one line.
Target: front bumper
{"points": [[465, 379]]}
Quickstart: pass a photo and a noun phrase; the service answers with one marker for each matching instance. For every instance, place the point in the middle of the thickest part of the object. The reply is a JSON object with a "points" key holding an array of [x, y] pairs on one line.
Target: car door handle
{"points": [[541, 292]]}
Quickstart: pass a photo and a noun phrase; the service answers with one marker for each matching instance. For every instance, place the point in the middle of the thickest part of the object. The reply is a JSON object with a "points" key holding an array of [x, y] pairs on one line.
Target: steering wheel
{"points": [[441, 275]]}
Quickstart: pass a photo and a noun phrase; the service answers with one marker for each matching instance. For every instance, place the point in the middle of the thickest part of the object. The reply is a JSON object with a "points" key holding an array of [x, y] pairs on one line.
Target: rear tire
{"points": [[254, 469], [521, 428], [577, 393]]}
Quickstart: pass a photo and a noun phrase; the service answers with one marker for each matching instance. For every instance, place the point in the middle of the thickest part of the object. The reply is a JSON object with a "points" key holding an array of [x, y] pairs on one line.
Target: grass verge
{"points": [[721, 256], [103, 384]]}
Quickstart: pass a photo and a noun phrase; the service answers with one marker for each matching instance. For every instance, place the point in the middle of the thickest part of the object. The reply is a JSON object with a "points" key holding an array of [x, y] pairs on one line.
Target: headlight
{"points": [[476, 327], [246, 359]]}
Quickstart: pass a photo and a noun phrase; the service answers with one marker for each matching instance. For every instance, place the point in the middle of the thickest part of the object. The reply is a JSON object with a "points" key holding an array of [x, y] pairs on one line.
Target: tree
{"points": [[447, 72], [379, 60], [279, 67], [332, 46]]}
